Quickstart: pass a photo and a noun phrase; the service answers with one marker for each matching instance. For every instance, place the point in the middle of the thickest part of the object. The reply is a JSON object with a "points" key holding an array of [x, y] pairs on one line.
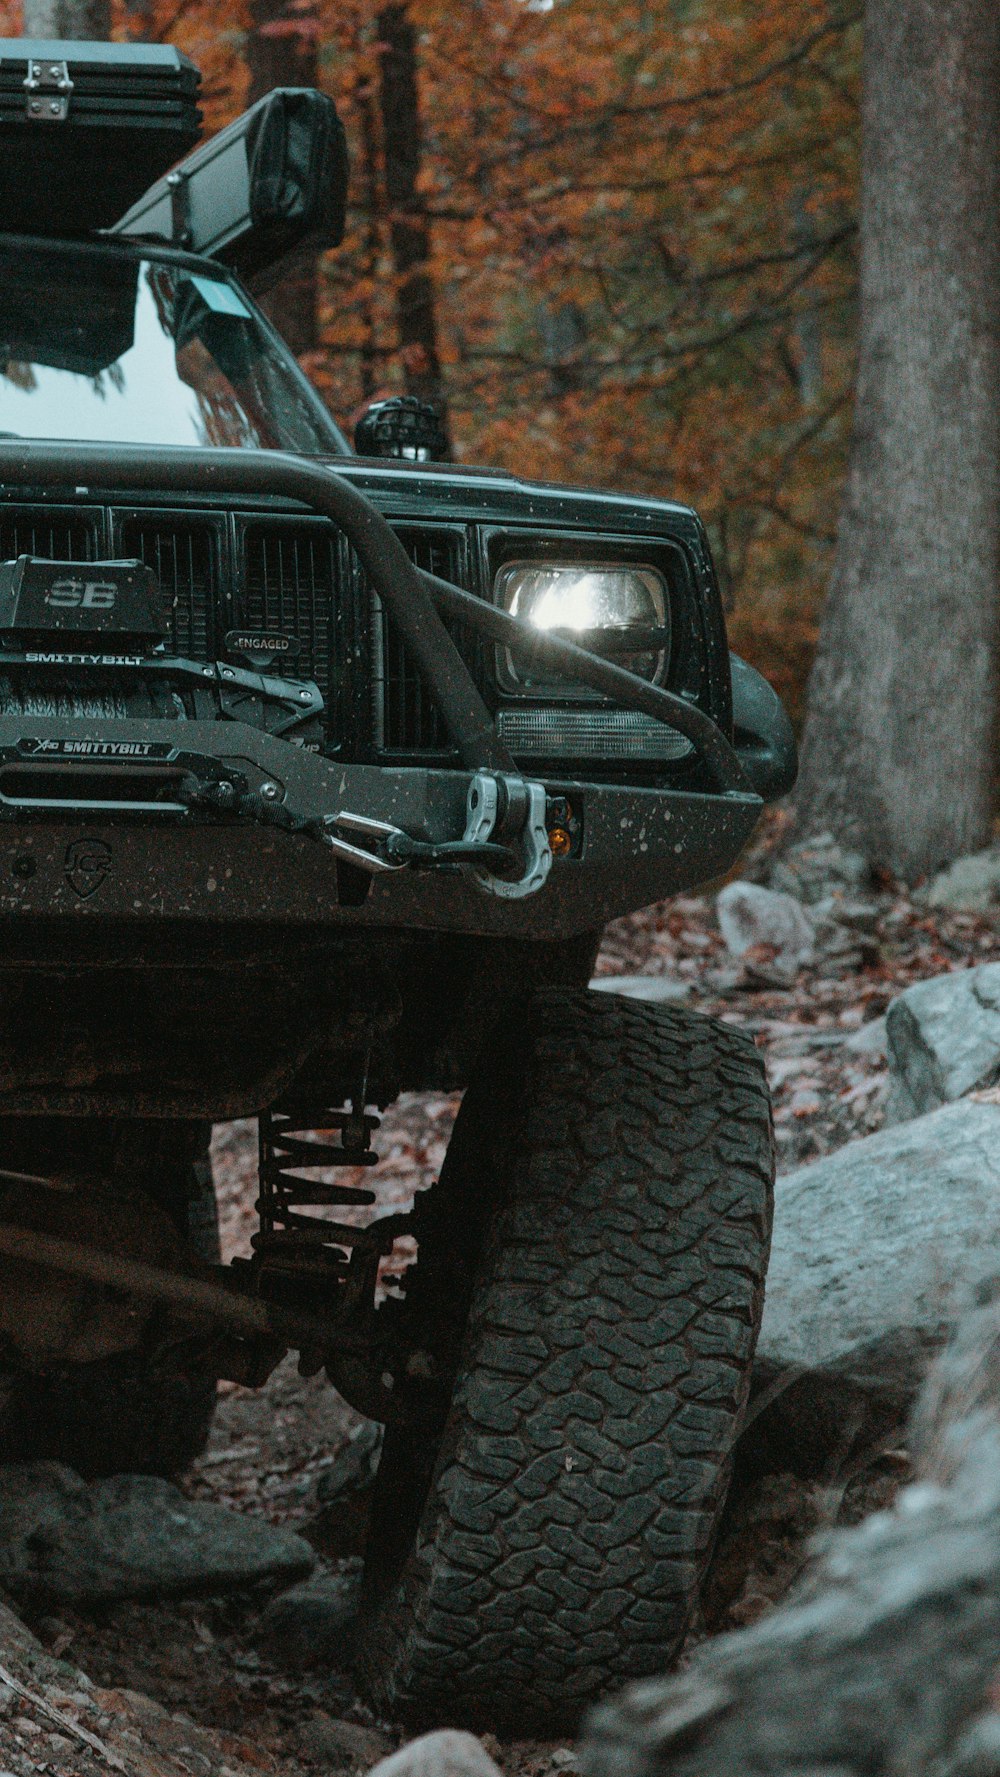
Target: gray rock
{"points": [[449, 1752], [868, 1039], [355, 1467], [342, 1745], [943, 1040], [15, 1636], [817, 868], [844, 930], [858, 917], [875, 1250], [313, 1625], [751, 917], [340, 1528], [130, 1536], [969, 885], [977, 1753], [899, 1106], [658, 989]]}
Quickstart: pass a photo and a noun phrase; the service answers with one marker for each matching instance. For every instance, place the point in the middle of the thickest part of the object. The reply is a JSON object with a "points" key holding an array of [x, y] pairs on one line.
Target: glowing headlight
{"points": [[618, 610]]}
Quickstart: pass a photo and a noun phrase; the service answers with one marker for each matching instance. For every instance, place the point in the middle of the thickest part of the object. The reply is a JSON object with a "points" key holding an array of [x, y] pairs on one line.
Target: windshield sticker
{"points": [[221, 298]]}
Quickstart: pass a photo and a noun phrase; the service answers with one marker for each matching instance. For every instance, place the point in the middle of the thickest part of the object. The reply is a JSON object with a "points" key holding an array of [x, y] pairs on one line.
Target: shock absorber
{"points": [[306, 1258]]}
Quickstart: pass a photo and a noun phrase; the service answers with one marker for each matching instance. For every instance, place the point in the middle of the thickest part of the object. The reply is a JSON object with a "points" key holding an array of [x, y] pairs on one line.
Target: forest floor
{"points": [[270, 1449]]}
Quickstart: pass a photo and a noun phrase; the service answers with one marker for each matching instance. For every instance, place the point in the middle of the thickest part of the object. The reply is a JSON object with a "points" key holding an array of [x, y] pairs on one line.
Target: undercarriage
{"points": [[95, 1267]]}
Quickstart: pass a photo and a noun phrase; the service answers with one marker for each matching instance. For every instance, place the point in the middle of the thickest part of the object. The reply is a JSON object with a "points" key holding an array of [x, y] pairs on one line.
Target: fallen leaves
{"points": [[64, 1722]]}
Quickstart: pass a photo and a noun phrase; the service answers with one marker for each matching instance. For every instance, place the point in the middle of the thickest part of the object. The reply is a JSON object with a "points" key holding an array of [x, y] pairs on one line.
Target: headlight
{"points": [[616, 609]]}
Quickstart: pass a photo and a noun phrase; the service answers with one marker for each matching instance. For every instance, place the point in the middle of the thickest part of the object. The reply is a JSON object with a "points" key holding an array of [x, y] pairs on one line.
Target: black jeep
{"points": [[320, 776]]}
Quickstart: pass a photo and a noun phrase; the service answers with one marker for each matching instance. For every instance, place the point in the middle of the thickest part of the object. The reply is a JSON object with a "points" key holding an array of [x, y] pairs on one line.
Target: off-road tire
{"points": [[551, 1542], [118, 1416]]}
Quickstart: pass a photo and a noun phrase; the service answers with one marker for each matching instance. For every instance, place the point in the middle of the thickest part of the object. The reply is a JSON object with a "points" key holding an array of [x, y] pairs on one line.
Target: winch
{"points": [[89, 639]]}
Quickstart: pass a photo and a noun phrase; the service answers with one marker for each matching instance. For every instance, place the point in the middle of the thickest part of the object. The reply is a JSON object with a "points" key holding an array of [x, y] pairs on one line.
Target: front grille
{"points": [[291, 584], [181, 555], [291, 574], [53, 535], [406, 717]]}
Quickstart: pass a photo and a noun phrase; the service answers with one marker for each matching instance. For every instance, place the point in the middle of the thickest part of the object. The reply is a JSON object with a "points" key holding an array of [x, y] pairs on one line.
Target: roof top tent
{"points": [[86, 127], [99, 137]]}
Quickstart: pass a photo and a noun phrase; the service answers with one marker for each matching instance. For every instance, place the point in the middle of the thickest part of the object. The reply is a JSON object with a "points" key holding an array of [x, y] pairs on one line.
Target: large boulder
{"points": [[943, 1040], [767, 929], [130, 1536], [969, 885], [884, 1658], [874, 1252], [817, 868]]}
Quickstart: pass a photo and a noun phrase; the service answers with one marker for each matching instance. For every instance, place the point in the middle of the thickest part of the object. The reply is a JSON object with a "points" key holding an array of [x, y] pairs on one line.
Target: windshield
{"points": [[102, 347]]}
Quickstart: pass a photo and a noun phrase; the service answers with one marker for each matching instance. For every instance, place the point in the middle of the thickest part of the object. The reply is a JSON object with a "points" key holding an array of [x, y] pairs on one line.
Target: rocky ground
{"points": [[217, 1686]]}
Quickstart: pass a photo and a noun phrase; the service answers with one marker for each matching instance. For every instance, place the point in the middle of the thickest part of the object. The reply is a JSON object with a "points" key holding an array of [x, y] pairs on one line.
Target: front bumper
{"points": [[66, 855]]}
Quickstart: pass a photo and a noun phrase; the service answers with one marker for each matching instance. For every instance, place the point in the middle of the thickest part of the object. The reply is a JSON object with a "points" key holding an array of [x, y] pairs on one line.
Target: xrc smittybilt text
{"points": [[320, 776]]}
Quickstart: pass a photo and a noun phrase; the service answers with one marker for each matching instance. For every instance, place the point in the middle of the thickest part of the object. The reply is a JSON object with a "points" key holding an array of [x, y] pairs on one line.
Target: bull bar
{"points": [[415, 599]]}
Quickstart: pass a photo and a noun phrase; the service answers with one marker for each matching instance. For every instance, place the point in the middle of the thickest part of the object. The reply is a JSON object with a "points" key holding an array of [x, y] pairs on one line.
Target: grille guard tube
{"points": [[413, 598], [540, 647]]}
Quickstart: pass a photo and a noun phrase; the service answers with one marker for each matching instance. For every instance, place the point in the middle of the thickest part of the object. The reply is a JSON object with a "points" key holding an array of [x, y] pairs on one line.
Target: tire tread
{"points": [[584, 1464]]}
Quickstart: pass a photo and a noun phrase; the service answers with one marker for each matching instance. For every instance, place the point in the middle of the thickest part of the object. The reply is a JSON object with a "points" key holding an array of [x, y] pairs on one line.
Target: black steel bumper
{"points": [[143, 861]]}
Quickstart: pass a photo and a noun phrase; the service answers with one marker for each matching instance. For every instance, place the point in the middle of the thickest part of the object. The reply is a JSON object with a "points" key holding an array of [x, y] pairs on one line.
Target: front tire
{"points": [[614, 1162]]}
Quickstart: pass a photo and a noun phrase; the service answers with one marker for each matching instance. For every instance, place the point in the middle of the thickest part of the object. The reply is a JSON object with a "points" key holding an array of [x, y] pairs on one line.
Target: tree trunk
{"points": [[885, 1660], [68, 18], [898, 755], [364, 105], [409, 231], [140, 21], [281, 51]]}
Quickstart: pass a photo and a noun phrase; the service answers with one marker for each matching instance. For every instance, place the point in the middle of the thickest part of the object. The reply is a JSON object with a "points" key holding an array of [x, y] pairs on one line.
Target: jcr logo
{"points": [[82, 595]]}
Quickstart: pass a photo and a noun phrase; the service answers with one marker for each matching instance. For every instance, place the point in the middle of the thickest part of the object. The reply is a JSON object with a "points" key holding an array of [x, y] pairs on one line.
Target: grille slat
{"points": [[292, 575], [291, 583], [55, 536], [181, 556], [406, 717]]}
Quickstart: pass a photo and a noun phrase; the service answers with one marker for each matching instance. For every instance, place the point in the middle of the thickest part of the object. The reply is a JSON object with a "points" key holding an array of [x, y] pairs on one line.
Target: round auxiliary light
{"points": [[403, 427]]}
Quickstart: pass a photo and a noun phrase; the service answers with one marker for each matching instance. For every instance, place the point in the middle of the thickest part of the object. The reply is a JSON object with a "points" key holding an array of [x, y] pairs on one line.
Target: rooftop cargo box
{"points": [[266, 184], [85, 128]]}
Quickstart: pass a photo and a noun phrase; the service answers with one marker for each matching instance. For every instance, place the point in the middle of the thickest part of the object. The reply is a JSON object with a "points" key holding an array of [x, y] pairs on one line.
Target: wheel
{"points": [[118, 1415], [614, 1162]]}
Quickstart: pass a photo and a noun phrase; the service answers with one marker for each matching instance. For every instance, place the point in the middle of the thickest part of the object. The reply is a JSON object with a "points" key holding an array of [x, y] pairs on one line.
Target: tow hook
{"points": [[372, 856], [491, 803], [505, 831], [377, 846]]}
